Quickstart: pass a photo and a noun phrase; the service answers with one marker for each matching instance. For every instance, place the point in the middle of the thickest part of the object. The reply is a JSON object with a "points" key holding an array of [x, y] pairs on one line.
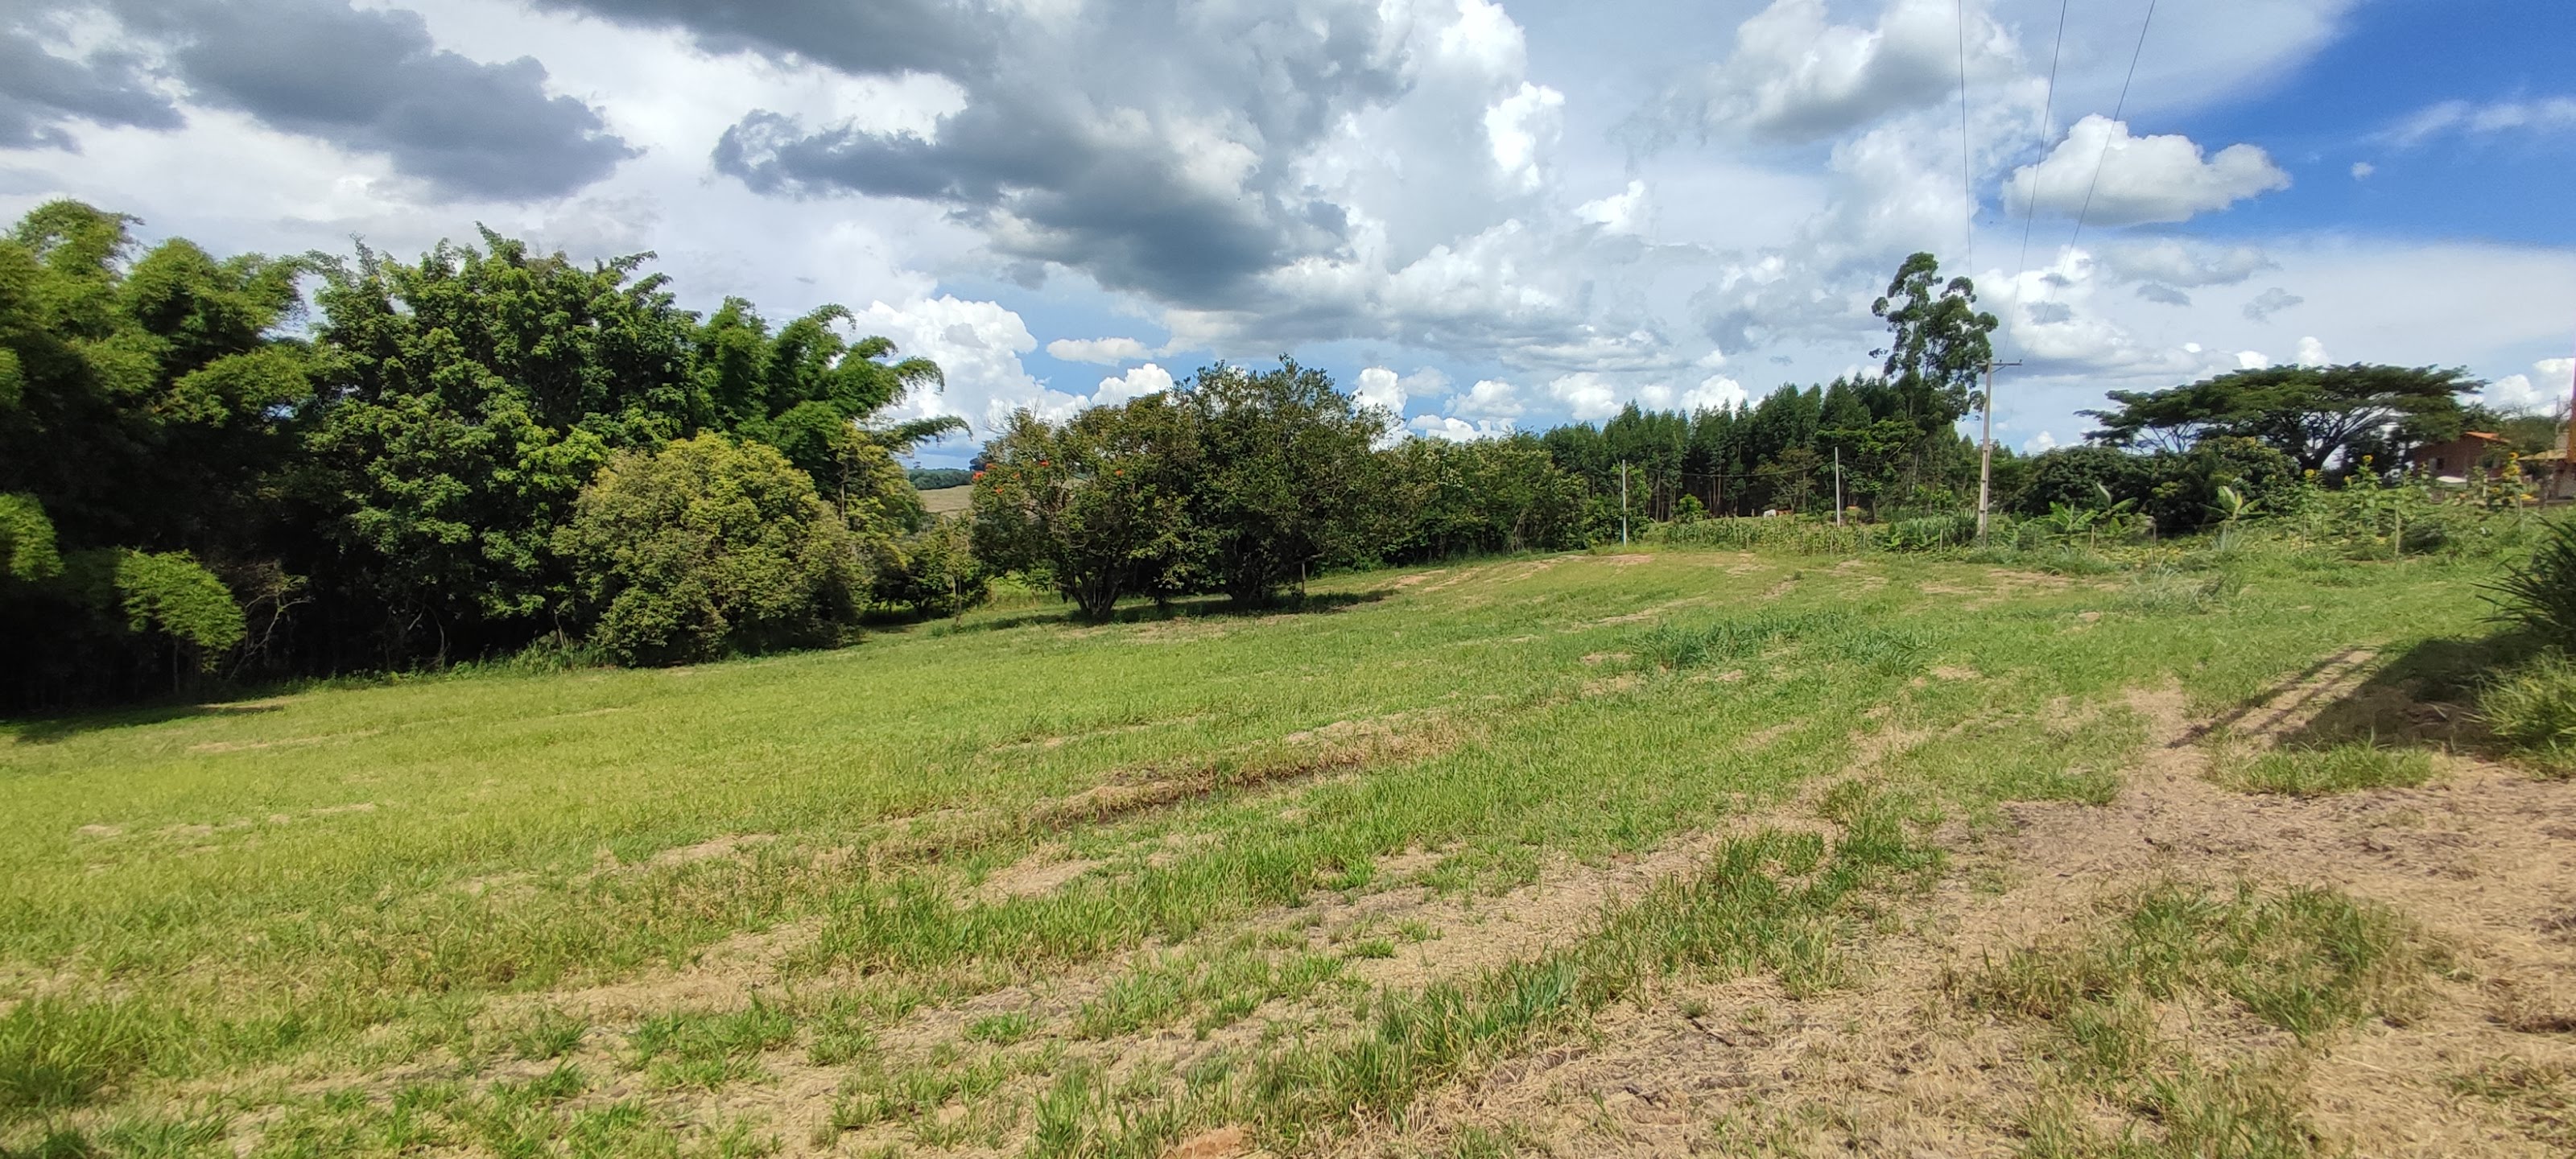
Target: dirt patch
{"points": [[1042, 872], [1630, 559], [1406, 581], [730, 845], [2485, 863]]}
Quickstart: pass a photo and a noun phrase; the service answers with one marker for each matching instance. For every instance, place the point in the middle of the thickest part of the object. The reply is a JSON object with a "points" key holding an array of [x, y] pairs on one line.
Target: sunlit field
{"points": [[1379, 872]]}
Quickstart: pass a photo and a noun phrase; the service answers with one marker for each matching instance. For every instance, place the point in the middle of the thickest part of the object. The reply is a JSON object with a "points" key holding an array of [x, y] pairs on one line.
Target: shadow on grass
{"points": [[2424, 697], [1148, 612], [48, 730]]}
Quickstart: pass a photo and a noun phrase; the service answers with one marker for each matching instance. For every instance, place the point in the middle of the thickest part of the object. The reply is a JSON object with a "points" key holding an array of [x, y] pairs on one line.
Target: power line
{"points": [[2116, 111], [2048, 130], [1967, 161]]}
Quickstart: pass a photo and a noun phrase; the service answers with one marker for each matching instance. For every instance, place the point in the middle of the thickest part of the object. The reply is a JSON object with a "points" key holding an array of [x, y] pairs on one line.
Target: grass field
{"points": [[1637, 853]]}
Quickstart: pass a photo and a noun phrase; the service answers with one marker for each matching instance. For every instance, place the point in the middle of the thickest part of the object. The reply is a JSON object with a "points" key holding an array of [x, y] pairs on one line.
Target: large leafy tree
{"points": [[1286, 470], [465, 401], [1099, 505], [1940, 343], [2310, 413], [145, 411]]}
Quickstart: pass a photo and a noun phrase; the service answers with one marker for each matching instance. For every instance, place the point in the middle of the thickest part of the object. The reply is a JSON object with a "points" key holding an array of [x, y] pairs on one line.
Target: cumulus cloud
{"points": [[1379, 386], [2039, 443], [2545, 390], [2253, 360], [2463, 118], [2313, 353], [1795, 75], [2361, 170], [978, 345], [1107, 351], [1458, 430], [1135, 384], [2162, 293], [2141, 179], [1488, 399], [1623, 212], [2270, 302]]}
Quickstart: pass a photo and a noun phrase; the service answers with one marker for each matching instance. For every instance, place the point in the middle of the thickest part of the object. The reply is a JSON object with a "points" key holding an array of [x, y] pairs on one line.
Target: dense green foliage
{"points": [[188, 482], [706, 547]]}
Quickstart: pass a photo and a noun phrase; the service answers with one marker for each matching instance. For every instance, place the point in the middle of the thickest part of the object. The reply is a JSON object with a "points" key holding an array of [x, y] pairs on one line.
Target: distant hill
{"points": [[939, 478]]}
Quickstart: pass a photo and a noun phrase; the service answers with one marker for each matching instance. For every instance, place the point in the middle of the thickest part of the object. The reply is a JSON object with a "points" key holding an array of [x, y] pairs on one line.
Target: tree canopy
{"points": [[2313, 414]]}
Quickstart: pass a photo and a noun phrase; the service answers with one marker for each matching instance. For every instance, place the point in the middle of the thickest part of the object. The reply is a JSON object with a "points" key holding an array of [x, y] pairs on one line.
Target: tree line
{"points": [[255, 467]]}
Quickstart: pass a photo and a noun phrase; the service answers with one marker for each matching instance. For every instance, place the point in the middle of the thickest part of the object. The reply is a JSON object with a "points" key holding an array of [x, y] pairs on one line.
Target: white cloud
{"points": [[2545, 389], [1797, 76], [1586, 395], [978, 345], [2141, 179], [2313, 352], [2039, 443], [1489, 399], [1520, 128], [1136, 383], [1623, 212], [1715, 392], [1459, 430], [2253, 360], [2361, 170], [2546, 115], [1108, 351]]}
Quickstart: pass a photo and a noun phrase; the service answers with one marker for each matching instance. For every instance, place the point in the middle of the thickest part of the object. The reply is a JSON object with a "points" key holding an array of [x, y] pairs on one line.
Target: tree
{"points": [[146, 412], [707, 547], [1284, 458], [1098, 506], [2313, 414], [1940, 343]]}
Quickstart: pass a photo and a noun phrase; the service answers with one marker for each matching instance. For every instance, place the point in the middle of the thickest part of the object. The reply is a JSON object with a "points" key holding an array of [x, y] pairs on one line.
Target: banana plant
{"points": [[2232, 506]]}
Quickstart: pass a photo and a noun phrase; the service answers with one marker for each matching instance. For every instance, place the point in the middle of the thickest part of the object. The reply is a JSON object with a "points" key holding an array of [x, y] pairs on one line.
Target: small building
{"points": [[2452, 461]]}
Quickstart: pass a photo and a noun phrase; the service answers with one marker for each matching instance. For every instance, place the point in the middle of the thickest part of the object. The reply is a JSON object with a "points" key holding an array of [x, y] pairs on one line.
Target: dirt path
{"points": [[2483, 859]]}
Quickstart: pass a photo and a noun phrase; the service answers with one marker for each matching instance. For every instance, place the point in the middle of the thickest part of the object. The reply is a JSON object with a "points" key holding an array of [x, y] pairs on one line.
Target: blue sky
{"points": [[1494, 215]]}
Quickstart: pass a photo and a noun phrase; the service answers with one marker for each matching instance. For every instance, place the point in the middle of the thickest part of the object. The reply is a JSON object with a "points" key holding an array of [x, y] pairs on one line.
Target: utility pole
{"points": [[1838, 486], [1986, 452], [1623, 504]]}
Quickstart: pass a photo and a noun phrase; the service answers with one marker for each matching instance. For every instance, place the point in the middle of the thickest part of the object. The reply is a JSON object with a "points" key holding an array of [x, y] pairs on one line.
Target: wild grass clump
{"points": [[2165, 590], [1673, 647], [2532, 710], [56, 1055], [2308, 961], [2316, 772], [1880, 648], [2540, 595]]}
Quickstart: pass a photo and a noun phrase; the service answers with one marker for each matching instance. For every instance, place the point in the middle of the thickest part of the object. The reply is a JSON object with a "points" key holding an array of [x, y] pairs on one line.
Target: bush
{"points": [[2541, 594], [2532, 709], [704, 548]]}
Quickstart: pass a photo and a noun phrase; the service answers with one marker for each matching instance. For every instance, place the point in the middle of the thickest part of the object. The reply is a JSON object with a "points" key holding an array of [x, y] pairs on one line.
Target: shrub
{"points": [[2532, 709], [705, 547], [2541, 594]]}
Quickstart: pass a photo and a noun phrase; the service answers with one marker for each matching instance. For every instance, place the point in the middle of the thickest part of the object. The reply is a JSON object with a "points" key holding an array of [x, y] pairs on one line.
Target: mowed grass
{"points": [[342, 881]]}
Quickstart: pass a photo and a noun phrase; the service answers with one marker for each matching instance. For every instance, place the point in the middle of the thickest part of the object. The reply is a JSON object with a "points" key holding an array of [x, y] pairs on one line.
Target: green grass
{"points": [[346, 881], [2306, 772], [2311, 962]]}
